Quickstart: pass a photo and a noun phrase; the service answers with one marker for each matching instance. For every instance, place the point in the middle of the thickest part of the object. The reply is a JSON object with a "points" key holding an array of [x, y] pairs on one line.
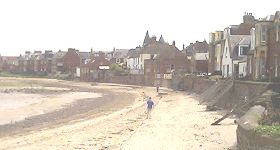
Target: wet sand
{"points": [[28, 112], [178, 122]]}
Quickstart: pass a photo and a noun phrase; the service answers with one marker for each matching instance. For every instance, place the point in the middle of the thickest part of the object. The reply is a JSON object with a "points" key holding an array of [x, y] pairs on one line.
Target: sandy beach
{"points": [[178, 122]]}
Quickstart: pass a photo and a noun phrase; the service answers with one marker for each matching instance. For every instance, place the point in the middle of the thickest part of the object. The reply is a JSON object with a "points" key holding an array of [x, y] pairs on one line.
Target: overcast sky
{"points": [[104, 24]]}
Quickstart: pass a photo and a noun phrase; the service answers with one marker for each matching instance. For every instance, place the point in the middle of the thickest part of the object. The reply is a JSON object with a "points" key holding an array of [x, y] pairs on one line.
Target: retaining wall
{"points": [[248, 139]]}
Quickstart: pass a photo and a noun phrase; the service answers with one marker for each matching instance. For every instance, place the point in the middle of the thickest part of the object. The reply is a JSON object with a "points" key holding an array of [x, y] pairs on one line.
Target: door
{"points": [[236, 71], [227, 70]]}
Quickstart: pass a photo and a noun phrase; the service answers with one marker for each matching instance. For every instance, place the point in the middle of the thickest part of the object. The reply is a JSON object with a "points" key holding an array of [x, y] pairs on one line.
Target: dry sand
{"points": [[177, 122]]}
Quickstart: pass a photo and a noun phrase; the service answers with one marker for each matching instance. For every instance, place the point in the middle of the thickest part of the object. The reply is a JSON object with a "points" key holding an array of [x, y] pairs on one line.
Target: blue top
{"points": [[150, 104]]}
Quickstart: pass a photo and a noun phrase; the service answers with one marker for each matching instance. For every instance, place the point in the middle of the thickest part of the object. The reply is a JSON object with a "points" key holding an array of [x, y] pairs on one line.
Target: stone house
{"points": [[261, 46], [216, 46], [273, 54]]}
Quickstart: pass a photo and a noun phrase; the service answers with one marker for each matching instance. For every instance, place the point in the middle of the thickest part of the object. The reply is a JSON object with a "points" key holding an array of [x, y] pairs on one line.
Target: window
{"points": [[172, 67], [243, 50], [152, 56], [277, 33], [263, 33], [226, 52]]}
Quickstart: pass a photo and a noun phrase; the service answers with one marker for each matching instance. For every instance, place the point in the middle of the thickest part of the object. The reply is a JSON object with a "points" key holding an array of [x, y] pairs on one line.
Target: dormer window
{"points": [[243, 50]]}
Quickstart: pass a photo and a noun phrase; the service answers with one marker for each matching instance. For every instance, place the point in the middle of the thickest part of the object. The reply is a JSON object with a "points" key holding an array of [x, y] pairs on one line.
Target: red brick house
{"points": [[10, 63], [71, 61], [95, 69]]}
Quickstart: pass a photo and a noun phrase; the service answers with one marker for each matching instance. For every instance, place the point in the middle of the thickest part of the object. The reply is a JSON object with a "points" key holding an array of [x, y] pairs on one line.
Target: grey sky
{"points": [[104, 24]]}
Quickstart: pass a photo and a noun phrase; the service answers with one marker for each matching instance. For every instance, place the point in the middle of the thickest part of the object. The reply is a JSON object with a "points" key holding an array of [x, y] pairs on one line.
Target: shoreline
{"points": [[79, 109]]}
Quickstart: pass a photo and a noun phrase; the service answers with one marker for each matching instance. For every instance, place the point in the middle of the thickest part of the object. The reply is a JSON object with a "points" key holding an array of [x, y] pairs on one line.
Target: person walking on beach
{"points": [[157, 86], [150, 106]]}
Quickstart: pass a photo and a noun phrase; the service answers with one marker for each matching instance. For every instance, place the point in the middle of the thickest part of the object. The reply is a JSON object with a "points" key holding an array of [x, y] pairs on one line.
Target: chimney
{"points": [[248, 18], [173, 43], [27, 52]]}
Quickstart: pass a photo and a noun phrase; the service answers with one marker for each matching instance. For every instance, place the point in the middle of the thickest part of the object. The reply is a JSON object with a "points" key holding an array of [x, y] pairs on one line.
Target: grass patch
{"points": [[269, 130]]}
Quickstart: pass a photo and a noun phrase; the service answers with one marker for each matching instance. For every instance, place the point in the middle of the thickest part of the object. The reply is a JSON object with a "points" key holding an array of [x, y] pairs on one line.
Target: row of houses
{"points": [[248, 50], [72, 62]]}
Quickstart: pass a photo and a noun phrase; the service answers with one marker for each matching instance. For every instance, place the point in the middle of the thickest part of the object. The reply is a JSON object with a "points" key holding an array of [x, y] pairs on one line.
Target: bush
{"points": [[269, 130], [118, 70]]}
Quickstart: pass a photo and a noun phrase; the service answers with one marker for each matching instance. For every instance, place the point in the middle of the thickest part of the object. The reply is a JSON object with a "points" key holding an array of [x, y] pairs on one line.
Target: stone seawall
{"points": [[248, 139]]}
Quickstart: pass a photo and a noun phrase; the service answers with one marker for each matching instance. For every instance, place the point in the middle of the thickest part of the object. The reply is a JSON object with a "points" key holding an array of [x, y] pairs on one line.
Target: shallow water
{"points": [[19, 106], [17, 100]]}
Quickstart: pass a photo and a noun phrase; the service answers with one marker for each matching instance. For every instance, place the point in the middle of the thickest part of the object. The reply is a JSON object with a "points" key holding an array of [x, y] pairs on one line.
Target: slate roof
{"points": [[133, 53], [268, 18], [59, 54], [120, 53], [162, 49], [84, 55], [234, 41]]}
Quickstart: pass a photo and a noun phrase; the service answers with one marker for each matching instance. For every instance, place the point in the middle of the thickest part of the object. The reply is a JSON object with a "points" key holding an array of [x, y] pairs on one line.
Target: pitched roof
{"points": [[84, 55], [234, 41], [161, 39], [159, 48], [245, 28], [134, 53], [197, 47], [120, 53], [59, 54], [9, 58], [147, 38], [268, 18], [97, 61]]}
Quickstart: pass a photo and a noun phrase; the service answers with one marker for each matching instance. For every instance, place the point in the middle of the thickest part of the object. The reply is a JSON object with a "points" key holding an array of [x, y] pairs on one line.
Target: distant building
{"points": [[95, 69], [58, 62], [198, 55], [216, 46], [71, 61], [9, 63]]}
